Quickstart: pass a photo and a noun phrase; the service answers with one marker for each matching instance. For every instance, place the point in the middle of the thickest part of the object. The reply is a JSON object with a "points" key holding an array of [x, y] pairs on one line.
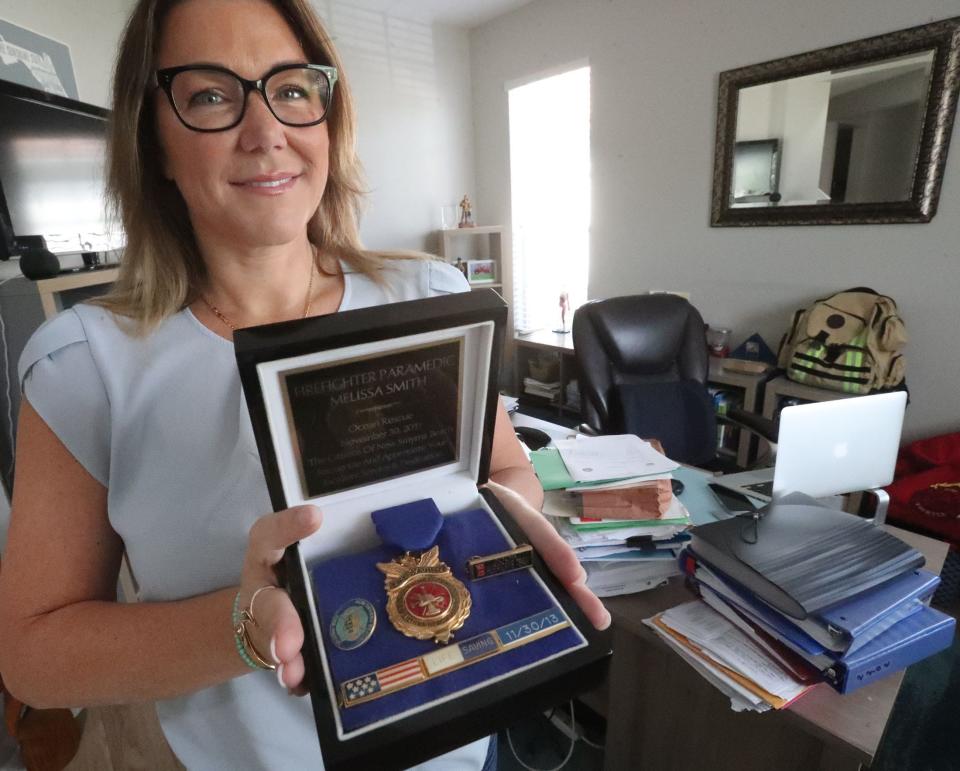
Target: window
{"points": [[550, 192]]}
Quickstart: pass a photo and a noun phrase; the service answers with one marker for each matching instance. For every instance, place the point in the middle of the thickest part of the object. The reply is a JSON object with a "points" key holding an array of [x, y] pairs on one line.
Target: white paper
{"points": [[599, 552], [714, 601], [613, 537], [726, 644], [626, 554], [557, 503], [609, 579], [740, 698], [597, 458]]}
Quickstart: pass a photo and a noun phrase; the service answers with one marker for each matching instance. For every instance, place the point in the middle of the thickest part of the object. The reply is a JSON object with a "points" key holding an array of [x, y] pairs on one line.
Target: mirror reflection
{"points": [[848, 135]]}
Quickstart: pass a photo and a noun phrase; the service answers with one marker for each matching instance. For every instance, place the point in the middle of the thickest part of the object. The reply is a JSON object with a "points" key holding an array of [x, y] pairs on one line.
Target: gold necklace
{"points": [[306, 305]]}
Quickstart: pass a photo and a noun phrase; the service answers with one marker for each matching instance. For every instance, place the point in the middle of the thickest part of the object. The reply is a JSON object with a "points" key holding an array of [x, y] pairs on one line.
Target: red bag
{"points": [[925, 493]]}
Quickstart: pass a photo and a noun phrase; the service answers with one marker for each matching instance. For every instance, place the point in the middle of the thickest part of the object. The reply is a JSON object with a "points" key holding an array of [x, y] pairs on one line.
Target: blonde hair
{"points": [[162, 269]]}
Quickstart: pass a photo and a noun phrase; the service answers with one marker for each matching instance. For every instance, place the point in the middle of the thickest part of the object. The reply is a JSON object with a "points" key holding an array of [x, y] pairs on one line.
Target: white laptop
{"points": [[828, 448]]}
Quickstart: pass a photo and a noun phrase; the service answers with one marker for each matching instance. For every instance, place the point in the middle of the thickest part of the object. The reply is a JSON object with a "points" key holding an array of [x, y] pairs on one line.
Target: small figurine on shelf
{"points": [[564, 307], [466, 213], [461, 265]]}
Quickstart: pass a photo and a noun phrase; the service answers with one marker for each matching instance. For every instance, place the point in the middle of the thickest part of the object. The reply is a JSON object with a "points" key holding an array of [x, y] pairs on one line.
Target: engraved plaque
{"points": [[376, 417]]}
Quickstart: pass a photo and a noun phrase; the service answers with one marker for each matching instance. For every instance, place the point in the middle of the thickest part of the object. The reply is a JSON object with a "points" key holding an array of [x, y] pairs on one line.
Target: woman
{"points": [[240, 209]]}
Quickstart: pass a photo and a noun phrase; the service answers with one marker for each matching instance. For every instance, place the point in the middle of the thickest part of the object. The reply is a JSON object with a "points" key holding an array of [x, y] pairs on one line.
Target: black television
{"points": [[52, 153]]}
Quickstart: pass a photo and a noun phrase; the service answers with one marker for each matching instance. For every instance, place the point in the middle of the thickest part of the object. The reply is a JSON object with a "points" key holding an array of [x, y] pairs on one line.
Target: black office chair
{"points": [[643, 367]]}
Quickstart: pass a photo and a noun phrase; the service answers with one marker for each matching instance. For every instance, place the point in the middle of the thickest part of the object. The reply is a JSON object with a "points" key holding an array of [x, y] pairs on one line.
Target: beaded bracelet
{"points": [[238, 638]]}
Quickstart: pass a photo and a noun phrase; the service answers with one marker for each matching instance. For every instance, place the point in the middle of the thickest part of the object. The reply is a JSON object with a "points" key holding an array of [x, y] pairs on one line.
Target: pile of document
{"points": [[613, 503], [811, 594], [539, 388], [729, 658]]}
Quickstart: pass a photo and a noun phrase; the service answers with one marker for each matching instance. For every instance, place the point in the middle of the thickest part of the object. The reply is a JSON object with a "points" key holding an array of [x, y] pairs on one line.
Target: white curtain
{"points": [[550, 192]]}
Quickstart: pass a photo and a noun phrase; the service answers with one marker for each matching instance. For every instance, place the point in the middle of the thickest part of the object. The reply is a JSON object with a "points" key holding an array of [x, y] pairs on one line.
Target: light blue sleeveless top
{"points": [[161, 422]]}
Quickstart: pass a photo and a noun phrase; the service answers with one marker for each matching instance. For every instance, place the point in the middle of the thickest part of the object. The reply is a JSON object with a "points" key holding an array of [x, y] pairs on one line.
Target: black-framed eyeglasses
{"points": [[210, 98]]}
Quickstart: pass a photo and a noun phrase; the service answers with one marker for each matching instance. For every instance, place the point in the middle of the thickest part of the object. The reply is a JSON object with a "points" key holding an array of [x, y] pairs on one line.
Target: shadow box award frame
{"points": [[383, 417]]}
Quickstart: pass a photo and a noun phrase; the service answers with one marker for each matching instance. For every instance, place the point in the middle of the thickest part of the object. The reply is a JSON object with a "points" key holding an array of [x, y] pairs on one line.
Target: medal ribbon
{"points": [[410, 526], [439, 662]]}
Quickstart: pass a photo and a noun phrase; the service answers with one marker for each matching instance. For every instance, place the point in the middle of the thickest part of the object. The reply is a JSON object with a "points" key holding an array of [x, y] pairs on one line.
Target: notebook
{"points": [[827, 448]]}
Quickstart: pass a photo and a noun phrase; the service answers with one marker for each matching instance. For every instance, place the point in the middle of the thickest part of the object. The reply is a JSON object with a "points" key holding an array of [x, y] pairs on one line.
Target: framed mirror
{"points": [[853, 134]]}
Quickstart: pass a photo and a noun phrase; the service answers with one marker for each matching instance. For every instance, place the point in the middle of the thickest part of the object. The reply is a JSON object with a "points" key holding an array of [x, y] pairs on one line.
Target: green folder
{"points": [[553, 475], [550, 469]]}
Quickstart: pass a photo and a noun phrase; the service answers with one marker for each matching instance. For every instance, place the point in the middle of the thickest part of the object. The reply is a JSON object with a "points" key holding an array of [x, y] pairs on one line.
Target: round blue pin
{"points": [[353, 624]]}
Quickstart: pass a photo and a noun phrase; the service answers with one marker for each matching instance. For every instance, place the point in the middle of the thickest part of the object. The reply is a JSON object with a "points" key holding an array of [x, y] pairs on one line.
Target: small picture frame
{"points": [[482, 271]]}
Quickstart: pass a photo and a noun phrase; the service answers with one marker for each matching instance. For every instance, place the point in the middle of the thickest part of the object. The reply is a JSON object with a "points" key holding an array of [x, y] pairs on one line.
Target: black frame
{"points": [[456, 722], [774, 175], [165, 84], [943, 37], [9, 246]]}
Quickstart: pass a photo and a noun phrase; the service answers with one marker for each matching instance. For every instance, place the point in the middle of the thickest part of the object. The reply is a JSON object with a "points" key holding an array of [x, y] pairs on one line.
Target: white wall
{"points": [[90, 29], [654, 81], [411, 82], [412, 87]]}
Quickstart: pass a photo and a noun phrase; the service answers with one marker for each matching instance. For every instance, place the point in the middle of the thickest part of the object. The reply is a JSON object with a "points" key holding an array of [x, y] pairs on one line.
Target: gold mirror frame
{"points": [[943, 37]]}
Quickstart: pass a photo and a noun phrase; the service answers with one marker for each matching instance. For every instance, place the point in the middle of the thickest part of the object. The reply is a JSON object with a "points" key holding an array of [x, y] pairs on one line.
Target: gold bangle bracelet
{"points": [[244, 635]]}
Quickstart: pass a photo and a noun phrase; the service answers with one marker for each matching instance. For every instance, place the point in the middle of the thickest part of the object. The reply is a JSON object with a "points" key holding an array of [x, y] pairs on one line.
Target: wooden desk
{"points": [[661, 714]]}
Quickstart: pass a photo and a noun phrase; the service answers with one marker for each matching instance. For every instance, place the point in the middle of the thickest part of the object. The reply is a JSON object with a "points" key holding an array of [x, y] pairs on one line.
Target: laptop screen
{"points": [[839, 446]]}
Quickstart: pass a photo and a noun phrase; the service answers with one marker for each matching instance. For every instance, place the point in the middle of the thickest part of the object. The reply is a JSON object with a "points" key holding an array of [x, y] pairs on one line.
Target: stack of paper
{"points": [[729, 658], [539, 388], [634, 532]]}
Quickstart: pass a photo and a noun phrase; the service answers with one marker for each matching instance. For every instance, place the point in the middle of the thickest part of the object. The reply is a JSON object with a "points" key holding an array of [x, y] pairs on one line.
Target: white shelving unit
{"points": [[486, 242], [483, 242], [749, 388], [783, 386]]}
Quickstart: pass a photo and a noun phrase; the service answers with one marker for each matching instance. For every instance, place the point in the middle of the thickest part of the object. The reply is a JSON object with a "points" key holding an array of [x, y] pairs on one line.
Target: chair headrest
{"points": [[642, 334]]}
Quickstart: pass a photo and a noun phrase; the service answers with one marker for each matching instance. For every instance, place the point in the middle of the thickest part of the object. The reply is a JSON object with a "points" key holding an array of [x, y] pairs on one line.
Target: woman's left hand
{"points": [[555, 552]]}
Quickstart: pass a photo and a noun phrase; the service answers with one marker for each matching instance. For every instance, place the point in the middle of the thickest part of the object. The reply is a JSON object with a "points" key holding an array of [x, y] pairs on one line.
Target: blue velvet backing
{"points": [[496, 601], [410, 526]]}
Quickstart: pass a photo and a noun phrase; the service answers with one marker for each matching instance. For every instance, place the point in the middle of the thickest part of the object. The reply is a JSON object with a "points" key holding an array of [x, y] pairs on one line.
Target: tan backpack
{"points": [[849, 342]]}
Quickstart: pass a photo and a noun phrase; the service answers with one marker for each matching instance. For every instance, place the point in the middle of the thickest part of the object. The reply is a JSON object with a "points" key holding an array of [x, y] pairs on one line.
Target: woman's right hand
{"points": [[277, 634]]}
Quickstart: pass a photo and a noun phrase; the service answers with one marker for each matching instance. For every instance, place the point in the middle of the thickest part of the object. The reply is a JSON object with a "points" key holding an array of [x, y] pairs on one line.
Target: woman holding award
{"points": [[232, 166]]}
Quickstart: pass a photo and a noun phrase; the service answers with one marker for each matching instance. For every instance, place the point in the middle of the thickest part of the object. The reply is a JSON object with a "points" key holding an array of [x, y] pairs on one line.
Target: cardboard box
{"points": [[366, 410]]}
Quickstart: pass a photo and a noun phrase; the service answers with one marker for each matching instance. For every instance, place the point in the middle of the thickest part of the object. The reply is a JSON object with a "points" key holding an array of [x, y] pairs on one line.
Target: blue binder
{"points": [[851, 622], [920, 633], [768, 618], [915, 638], [848, 625]]}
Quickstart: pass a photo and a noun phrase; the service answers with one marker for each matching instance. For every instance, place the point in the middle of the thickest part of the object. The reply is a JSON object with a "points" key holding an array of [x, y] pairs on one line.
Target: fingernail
{"points": [[273, 650], [280, 676]]}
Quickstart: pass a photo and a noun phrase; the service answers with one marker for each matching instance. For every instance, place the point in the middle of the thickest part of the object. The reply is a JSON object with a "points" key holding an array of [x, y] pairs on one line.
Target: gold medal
{"points": [[424, 599]]}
